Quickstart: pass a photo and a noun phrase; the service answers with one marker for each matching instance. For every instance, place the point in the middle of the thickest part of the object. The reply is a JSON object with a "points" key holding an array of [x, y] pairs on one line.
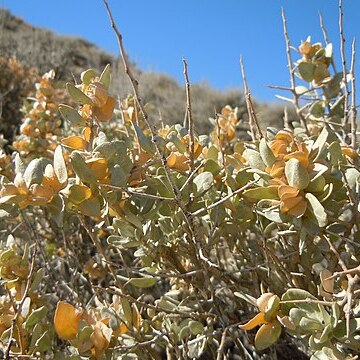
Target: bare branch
{"points": [[343, 61], [292, 74], [135, 86], [190, 122], [220, 352], [253, 123], [353, 108], [14, 321], [326, 38], [217, 203]]}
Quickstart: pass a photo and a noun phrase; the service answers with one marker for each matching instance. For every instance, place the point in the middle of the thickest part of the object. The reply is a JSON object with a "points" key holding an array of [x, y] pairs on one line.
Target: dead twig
{"points": [[135, 86], [343, 62], [253, 123], [292, 74], [326, 38], [220, 352], [353, 109], [190, 122], [14, 321], [352, 280]]}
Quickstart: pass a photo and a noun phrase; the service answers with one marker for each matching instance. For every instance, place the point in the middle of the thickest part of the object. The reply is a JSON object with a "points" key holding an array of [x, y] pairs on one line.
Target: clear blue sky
{"points": [[210, 34]]}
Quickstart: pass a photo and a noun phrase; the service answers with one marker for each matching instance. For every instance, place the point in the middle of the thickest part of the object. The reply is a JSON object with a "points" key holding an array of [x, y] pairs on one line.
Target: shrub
{"points": [[143, 243], [15, 85]]}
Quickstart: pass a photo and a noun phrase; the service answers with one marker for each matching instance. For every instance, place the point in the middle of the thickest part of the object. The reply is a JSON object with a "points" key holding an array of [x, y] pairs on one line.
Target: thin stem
{"points": [[253, 123], [343, 62], [219, 202], [326, 38], [138, 193], [14, 321], [135, 86], [191, 129], [353, 108], [292, 74], [189, 115]]}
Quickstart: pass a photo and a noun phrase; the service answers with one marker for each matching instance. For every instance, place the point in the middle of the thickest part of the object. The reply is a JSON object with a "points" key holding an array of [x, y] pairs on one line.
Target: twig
{"points": [[351, 283], [193, 314], [353, 109], [354, 270], [178, 276], [19, 308], [152, 129], [139, 344], [97, 244], [138, 193], [279, 87], [253, 123], [135, 86], [292, 74], [219, 202], [190, 122], [343, 61], [326, 39], [189, 115], [191, 176], [221, 349], [308, 301]]}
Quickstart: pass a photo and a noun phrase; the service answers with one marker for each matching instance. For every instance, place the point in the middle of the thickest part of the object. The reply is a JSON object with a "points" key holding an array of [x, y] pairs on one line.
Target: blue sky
{"points": [[210, 34]]}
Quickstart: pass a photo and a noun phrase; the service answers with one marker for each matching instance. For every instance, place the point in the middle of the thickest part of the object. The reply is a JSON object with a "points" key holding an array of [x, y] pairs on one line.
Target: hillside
{"points": [[68, 56]]}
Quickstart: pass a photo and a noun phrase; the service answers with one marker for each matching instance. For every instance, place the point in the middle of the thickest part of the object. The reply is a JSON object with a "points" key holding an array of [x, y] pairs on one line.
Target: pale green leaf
{"points": [[204, 181], [81, 169], [143, 282], [105, 76], [77, 95], [317, 210], [59, 165], [71, 115], [87, 75], [296, 174]]}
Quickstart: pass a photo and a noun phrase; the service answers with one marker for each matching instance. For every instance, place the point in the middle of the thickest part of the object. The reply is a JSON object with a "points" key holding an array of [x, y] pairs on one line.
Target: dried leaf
{"points": [[267, 335], [66, 321]]}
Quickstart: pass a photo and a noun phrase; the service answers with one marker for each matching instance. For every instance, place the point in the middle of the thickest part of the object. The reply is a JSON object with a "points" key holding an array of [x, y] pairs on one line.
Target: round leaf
{"points": [[267, 335], [296, 174]]}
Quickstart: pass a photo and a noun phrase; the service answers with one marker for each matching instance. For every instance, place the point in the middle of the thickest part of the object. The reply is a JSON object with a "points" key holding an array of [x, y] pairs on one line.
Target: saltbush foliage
{"points": [[123, 241]]}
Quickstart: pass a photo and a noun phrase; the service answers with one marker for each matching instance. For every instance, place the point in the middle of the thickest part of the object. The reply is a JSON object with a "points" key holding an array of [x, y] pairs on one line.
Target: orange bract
{"points": [[75, 142], [177, 161], [291, 201], [66, 321], [105, 112]]}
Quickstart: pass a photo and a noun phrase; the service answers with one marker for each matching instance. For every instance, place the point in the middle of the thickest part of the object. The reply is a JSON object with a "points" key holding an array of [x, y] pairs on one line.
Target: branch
{"points": [[190, 121], [220, 352], [343, 61], [353, 108], [292, 74], [135, 86], [326, 38], [138, 193], [253, 123], [22, 301], [350, 287], [217, 203]]}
